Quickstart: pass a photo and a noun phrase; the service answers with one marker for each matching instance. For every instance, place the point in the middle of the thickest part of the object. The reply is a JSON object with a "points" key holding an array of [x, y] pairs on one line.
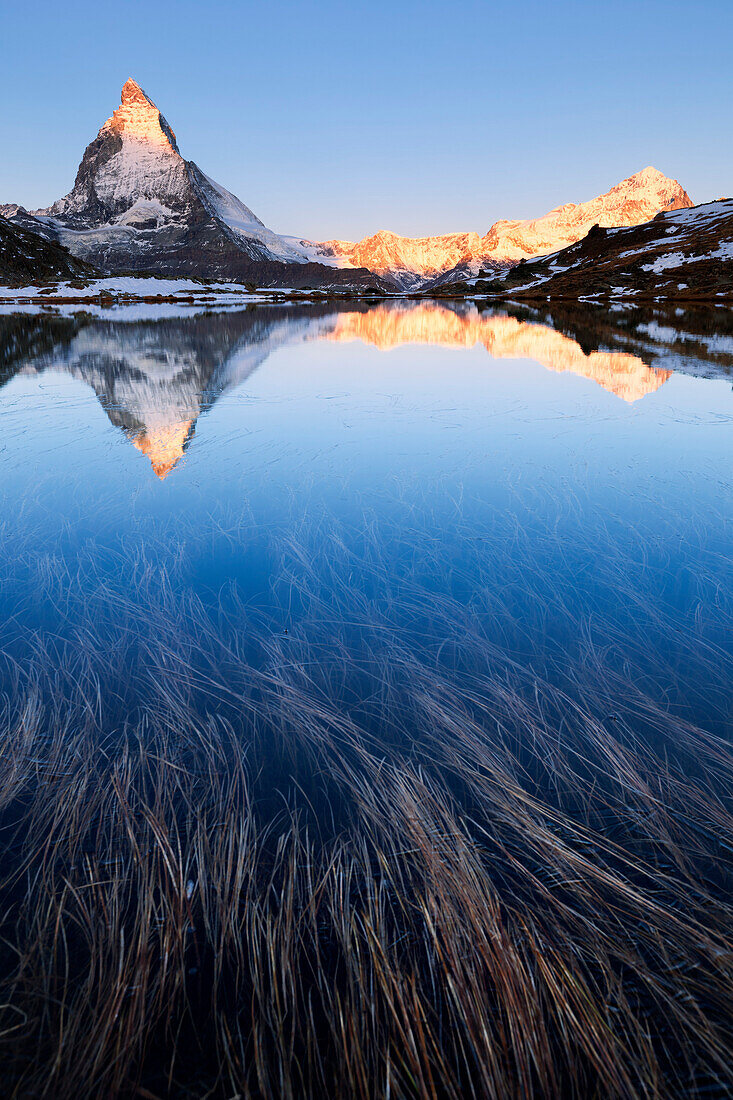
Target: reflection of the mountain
{"points": [[504, 337], [154, 378]]}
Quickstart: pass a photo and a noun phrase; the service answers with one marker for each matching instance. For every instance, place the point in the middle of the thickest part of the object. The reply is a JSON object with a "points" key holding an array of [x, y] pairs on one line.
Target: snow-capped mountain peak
{"points": [[132, 174], [137, 205]]}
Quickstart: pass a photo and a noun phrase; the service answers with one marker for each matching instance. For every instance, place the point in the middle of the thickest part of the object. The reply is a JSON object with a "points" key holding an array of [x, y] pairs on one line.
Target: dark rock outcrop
{"points": [[27, 258]]}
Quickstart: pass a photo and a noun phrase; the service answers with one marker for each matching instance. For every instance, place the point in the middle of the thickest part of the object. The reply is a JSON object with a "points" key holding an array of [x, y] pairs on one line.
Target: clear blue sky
{"points": [[340, 117]]}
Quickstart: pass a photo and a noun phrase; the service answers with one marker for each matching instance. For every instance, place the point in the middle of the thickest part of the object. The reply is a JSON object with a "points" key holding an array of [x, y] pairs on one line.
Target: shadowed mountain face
{"points": [[26, 258], [155, 378]]}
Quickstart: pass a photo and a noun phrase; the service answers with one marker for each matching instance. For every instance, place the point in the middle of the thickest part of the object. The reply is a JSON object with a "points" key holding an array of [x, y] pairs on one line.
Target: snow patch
{"points": [[145, 211], [673, 259], [124, 285]]}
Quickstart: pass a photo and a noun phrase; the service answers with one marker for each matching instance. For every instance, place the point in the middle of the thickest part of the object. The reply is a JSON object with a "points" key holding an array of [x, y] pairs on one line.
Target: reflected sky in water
{"points": [[203, 438]]}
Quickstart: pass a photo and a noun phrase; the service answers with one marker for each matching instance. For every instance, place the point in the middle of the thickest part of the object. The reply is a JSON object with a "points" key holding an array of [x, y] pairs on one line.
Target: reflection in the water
{"points": [[626, 376], [164, 445], [155, 378], [382, 750]]}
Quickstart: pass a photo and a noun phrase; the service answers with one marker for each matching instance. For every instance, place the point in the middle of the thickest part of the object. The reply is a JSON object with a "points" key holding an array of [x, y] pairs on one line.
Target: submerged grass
{"points": [[383, 837]]}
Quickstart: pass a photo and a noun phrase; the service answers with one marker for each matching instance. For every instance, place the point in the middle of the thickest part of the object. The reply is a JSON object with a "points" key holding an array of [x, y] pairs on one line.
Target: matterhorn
{"points": [[137, 205]]}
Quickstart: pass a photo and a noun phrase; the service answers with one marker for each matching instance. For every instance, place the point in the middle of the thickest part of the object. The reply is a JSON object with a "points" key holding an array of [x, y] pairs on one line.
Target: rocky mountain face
{"points": [[682, 253], [429, 261], [27, 258], [137, 205], [410, 261]]}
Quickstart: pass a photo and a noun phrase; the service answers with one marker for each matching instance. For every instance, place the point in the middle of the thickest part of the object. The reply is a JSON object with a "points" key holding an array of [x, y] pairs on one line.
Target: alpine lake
{"points": [[365, 681]]}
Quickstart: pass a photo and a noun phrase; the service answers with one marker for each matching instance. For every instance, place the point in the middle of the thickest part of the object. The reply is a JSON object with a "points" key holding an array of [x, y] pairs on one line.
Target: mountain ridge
{"points": [[433, 260], [138, 206]]}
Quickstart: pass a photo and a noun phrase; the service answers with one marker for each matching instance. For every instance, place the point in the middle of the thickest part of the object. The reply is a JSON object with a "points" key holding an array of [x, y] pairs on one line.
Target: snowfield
{"points": [[125, 285]]}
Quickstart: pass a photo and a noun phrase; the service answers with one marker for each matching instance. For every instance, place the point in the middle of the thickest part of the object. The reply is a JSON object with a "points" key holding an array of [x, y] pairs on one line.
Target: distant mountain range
{"points": [[138, 206], [421, 261]]}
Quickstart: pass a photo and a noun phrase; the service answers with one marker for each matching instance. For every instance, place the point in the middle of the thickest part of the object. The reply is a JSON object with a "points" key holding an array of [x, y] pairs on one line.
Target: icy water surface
{"points": [[420, 611], [454, 442]]}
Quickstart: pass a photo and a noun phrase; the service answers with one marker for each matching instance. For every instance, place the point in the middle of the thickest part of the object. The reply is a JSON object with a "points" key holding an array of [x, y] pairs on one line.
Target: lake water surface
{"points": [[367, 687]]}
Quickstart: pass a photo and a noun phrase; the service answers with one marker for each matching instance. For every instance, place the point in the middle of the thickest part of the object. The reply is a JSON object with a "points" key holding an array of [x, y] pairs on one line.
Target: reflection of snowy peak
{"points": [[624, 375], [154, 379], [137, 205]]}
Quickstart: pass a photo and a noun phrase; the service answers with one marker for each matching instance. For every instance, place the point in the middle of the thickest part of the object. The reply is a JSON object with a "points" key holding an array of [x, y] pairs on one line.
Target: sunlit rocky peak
{"points": [[411, 259], [630, 202], [139, 119], [137, 205]]}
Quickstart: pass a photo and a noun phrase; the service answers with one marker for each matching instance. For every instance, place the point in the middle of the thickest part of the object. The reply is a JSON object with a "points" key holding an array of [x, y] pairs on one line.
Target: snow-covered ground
{"points": [[130, 298], [143, 297], [147, 287]]}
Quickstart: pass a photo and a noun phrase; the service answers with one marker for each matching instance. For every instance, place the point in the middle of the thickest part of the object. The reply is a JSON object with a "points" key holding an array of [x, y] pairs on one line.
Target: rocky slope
{"points": [[137, 205], [428, 261], [679, 254], [26, 257]]}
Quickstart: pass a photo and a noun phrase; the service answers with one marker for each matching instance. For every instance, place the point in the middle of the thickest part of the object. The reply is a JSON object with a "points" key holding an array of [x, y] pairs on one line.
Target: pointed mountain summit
{"points": [[132, 174], [137, 205], [137, 116], [132, 93]]}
